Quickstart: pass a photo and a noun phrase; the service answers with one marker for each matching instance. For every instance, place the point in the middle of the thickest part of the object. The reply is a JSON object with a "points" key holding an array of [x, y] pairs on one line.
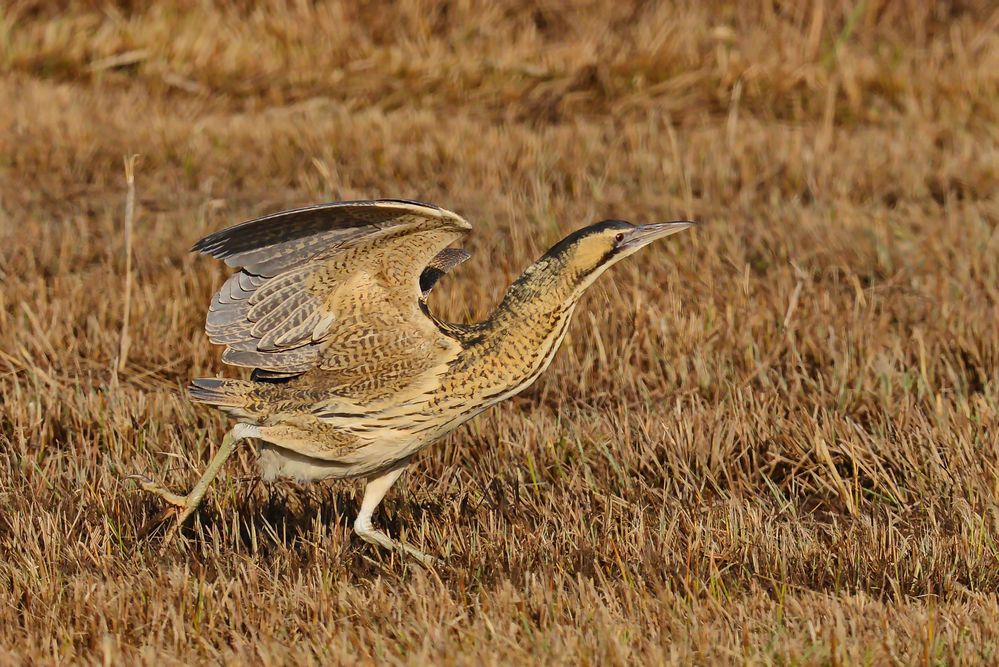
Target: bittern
{"points": [[352, 374]]}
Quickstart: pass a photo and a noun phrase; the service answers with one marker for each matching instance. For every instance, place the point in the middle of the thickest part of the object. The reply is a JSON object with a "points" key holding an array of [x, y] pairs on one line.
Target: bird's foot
{"points": [[155, 487], [372, 535], [179, 505]]}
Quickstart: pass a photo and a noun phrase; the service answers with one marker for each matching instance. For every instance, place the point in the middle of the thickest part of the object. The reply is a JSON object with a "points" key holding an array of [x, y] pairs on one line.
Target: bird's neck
{"points": [[519, 339], [542, 293]]}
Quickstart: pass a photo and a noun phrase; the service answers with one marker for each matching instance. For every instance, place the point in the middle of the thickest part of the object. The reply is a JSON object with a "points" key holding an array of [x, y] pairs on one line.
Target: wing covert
{"points": [[336, 287]]}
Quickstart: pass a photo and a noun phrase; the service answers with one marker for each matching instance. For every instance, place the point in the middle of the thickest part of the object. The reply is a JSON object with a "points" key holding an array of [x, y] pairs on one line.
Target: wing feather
{"points": [[275, 322], [294, 330], [335, 287], [291, 361]]}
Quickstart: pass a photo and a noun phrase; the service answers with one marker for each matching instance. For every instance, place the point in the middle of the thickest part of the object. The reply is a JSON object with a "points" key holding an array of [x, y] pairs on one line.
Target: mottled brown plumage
{"points": [[352, 375]]}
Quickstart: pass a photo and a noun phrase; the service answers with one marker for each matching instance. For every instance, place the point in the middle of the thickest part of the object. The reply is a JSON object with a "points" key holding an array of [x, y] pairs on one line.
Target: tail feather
{"points": [[232, 396]]}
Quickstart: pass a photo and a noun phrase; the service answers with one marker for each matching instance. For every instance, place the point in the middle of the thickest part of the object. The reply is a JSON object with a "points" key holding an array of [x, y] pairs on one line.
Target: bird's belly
{"points": [[343, 444], [277, 462], [311, 454]]}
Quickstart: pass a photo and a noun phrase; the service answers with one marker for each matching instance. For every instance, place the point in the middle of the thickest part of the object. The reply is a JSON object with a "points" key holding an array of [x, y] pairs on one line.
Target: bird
{"points": [[351, 373]]}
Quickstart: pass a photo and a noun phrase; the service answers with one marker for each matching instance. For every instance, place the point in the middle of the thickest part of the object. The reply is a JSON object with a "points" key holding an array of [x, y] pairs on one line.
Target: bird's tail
{"points": [[232, 396]]}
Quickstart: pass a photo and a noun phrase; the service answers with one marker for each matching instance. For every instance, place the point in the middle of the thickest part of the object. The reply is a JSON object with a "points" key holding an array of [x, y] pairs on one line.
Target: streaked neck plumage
{"points": [[517, 342], [548, 288]]}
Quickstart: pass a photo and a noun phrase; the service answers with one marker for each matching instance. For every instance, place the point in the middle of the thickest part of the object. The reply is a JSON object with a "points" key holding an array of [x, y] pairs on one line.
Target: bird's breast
{"points": [[505, 363]]}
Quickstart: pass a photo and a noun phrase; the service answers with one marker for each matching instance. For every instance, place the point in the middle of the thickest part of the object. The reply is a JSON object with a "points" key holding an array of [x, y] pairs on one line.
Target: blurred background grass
{"points": [[771, 440]]}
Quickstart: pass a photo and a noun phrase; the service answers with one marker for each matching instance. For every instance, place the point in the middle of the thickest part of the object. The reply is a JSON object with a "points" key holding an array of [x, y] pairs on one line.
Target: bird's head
{"points": [[588, 252]]}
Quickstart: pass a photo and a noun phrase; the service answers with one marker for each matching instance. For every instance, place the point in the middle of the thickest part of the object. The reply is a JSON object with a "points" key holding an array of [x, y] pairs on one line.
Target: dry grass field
{"points": [[773, 439]]}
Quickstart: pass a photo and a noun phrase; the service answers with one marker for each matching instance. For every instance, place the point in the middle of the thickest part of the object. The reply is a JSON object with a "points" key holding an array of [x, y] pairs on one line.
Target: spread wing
{"points": [[335, 287]]}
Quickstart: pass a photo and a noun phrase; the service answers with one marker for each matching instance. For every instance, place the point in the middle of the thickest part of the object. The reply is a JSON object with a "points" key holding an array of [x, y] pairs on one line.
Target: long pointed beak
{"points": [[645, 234]]}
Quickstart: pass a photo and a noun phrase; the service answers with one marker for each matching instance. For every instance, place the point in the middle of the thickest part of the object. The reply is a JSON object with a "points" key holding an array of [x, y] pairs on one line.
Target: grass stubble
{"points": [[773, 439]]}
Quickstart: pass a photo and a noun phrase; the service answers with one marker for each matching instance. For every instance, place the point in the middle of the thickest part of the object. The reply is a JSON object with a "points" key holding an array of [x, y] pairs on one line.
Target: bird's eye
{"points": [[618, 237]]}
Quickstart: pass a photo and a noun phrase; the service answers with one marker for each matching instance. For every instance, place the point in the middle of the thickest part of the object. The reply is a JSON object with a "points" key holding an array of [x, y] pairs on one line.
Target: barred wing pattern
{"points": [[334, 287]]}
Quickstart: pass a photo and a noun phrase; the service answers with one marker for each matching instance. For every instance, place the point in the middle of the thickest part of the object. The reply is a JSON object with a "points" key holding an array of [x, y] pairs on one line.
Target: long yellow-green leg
{"points": [[374, 491], [186, 505]]}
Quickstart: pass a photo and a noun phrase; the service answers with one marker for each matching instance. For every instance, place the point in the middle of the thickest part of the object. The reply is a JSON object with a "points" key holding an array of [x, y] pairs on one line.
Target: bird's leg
{"points": [[185, 506], [374, 491]]}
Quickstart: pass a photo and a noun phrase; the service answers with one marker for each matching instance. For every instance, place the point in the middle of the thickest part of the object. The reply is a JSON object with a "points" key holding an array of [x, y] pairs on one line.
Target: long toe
{"points": [[424, 559], [169, 537], [379, 538], [179, 516], [156, 488], [155, 522], [374, 536]]}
